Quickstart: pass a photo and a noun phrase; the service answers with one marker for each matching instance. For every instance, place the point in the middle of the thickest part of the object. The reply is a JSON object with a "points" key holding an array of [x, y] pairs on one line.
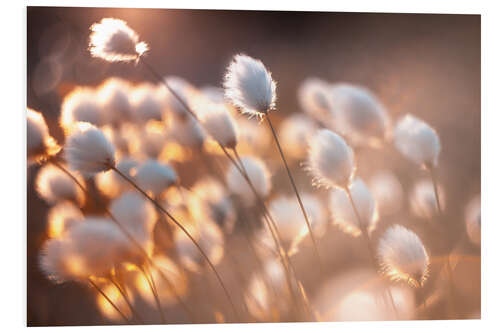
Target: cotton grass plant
{"points": [[152, 233]]}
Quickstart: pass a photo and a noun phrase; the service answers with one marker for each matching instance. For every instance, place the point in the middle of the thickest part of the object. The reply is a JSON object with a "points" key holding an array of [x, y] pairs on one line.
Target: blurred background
{"points": [[427, 65]]}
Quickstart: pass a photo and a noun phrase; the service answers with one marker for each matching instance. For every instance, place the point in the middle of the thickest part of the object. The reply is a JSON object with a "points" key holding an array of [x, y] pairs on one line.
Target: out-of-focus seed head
{"points": [[259, 176], [388, 192], [113, 96], [218, 123], [315, 99], [295, 133], [39, 143], [53, 185], [81, 105], [155, 177], [423, 201], [417, 141], [146, 103], [62, 217]]}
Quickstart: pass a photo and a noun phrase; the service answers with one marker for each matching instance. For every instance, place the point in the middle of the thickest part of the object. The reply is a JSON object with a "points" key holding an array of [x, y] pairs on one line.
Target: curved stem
{"points": [[299, 199], [366, 237], [432, 172], [173, 219], [127, 300], [151, 282], [129, 237], [92, 283]]}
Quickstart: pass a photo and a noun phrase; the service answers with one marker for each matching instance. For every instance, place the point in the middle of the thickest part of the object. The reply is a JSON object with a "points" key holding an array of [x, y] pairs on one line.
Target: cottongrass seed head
{"points": [[61, 218], [257, 173], [315, 99], [402, 256], [39, 143], [113, 40], [81, 105], [417, 141], [53, 185], [219, 124], [155, 177], [249, 86], [331, 161], [423, 201], [88, 151]]}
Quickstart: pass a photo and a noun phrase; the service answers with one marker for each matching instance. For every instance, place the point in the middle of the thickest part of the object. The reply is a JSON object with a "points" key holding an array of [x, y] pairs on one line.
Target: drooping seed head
{"points": [[249, 86], [402, 256], [331, 160], [88, 151], [417, 141], [113, 40]]}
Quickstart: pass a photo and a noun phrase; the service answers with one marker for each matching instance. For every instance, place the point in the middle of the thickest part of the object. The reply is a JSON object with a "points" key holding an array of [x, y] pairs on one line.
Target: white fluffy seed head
{"points": [[146, 103], [88, 151], [137, 215], [388, 192], [295, 132], [61, 218], [155, 177], [259, 176], [110, 183], [343, 214], [113, 40], [219, 124], [113, 96], [423, 201], [331, 160], [39, 143], [249, 86], [361, 117], [403, 257], [89, 248], [53, 185], [473, 220], [417, 141], [81, 105], [315, 99], [188, 133]]}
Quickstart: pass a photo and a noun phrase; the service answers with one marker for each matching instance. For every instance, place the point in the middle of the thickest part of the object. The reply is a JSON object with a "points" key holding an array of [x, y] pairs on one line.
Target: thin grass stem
{"points": [[149, 277], [100, 291], [123, 293]]}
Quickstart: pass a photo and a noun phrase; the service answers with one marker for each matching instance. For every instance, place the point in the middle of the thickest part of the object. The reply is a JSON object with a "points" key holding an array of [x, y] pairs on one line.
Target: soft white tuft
{"points": [[295, 133], [113, 96], [88, 151], [403, 256], [315, 98], [417, 141], [113, 40], [219, 124], [81, 105], [184, 90], [361, 117], [137, 215], [331, 160], [343, 214], [155, 177], [146, 103], [259, 176], [62, 217], [39, 142], [53, 185], [249, 85]]}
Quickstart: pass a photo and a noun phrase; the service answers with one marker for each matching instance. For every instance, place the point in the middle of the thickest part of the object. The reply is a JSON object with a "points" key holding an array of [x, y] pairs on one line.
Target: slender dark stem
{"points": [[129, 237], [366, 237], [158, 206], [299, 199], [172, 91], [127, 300], [92, 283], [271, 225], [151, 282], [432, 172]]}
